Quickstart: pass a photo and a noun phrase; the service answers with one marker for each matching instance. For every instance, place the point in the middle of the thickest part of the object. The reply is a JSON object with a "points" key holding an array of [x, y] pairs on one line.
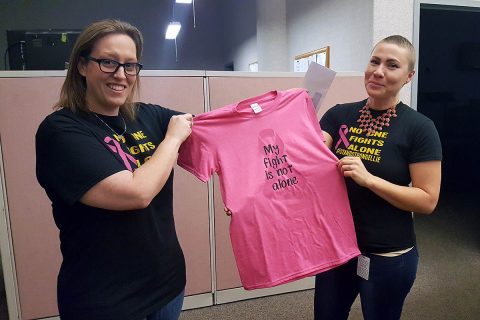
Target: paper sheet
{"points": [[317, 81]]}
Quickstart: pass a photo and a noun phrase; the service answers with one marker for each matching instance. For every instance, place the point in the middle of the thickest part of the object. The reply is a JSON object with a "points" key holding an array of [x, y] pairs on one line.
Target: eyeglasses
{"points": [[111, 66]]}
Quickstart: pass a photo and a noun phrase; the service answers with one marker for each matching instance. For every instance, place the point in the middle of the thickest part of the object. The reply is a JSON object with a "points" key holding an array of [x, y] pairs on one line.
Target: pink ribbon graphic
{"points": [[116, 148], [343, 136]]}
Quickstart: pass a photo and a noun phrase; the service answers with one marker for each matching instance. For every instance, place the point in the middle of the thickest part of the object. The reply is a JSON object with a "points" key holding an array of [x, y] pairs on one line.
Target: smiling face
{"points": [[387, 72], [106, 92]]}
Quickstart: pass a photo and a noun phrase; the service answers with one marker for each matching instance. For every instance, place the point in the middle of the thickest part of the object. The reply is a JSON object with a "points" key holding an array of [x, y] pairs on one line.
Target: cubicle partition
{"points": [[28, 236]]}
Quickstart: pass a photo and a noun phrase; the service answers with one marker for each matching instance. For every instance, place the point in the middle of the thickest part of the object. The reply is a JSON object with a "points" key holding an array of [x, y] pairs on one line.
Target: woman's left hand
{"points": [[353, 167]]}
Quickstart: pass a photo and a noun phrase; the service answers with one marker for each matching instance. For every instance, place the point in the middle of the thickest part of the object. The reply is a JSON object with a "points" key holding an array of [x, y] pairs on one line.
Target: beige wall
{"points": [[30, 246], [24, 102]]}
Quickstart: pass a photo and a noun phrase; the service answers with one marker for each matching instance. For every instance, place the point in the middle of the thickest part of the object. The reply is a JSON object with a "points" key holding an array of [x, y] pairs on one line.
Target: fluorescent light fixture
{"points": [[183, 1], [172, 30]]}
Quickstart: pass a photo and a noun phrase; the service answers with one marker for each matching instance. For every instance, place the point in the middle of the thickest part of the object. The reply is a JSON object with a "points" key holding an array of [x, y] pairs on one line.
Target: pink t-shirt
{"points": [[291, 217]]}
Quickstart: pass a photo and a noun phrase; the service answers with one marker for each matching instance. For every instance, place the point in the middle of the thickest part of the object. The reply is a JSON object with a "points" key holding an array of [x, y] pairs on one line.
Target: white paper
{"points": [[297, 66], [321, 58], [317, 81]]}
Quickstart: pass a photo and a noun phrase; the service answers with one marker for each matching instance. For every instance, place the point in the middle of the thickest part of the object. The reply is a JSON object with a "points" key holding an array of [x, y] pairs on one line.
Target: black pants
{"points": [[382, 295]]}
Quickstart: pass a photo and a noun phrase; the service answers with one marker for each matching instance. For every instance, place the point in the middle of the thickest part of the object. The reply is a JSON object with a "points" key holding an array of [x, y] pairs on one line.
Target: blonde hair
{"points": [[73, 93], [402, 42]]}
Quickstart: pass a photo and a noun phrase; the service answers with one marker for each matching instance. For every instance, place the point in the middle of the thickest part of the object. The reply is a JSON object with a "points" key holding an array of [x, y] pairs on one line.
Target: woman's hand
{"points": [[227, 211], [353, 167], [127, 190], [180, 127]]}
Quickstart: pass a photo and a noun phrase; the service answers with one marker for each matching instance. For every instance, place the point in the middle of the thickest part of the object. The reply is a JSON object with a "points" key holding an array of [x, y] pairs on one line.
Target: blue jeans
{"points": [[382, 295], [170, 311]]}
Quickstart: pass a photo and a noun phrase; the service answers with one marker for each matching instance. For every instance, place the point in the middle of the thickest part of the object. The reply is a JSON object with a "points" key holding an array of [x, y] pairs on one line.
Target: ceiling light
{"points": [[183, 1], [172, 30]]}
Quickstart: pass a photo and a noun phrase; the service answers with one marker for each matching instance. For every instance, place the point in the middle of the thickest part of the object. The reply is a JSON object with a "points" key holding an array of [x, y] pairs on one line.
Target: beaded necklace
{"points": [[120, 136], [372, 125]]}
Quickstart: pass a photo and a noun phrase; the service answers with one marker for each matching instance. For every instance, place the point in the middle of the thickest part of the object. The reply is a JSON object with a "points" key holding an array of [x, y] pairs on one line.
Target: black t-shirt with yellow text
{"points": [[410, 138], [116, 264]]}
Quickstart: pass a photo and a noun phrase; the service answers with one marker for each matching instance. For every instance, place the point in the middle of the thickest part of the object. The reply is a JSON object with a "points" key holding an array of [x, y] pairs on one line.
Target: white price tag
{"points": [[363, 267], [256, 107]]}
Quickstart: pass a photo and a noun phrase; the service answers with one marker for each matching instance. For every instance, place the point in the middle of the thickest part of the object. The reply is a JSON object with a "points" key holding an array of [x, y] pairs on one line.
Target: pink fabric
{"points": [[291, 216]]}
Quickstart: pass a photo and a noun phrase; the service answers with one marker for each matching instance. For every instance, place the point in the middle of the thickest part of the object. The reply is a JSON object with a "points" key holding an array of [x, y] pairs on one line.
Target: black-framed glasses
{"points": [[111, 66]]}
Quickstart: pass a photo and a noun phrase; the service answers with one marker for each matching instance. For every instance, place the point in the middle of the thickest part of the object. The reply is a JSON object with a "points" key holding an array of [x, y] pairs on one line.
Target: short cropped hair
{"points": [[402, 42]]}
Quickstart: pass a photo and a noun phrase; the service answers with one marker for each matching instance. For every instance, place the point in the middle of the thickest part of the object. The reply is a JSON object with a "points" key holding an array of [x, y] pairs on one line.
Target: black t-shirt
{"points": [[116, 264], [410, 138]]}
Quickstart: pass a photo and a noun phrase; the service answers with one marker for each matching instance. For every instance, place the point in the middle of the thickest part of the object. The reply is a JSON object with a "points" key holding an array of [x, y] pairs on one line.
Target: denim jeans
{"points": [[170, 311], [382, 295]]}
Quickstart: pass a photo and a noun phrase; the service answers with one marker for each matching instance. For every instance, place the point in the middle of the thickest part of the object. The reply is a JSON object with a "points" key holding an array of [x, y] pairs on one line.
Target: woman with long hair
{"points": [[106, 164]]}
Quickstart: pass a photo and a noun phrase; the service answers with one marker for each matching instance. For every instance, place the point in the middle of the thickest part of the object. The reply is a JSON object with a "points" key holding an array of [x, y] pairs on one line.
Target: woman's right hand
{"points": [[180, 127], [354, 168], [227, 211]]}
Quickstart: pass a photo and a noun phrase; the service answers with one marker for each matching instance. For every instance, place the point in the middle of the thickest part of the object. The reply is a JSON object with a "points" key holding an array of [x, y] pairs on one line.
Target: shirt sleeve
{"points": [[196, 154], [70, 159], [426, 145]]}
